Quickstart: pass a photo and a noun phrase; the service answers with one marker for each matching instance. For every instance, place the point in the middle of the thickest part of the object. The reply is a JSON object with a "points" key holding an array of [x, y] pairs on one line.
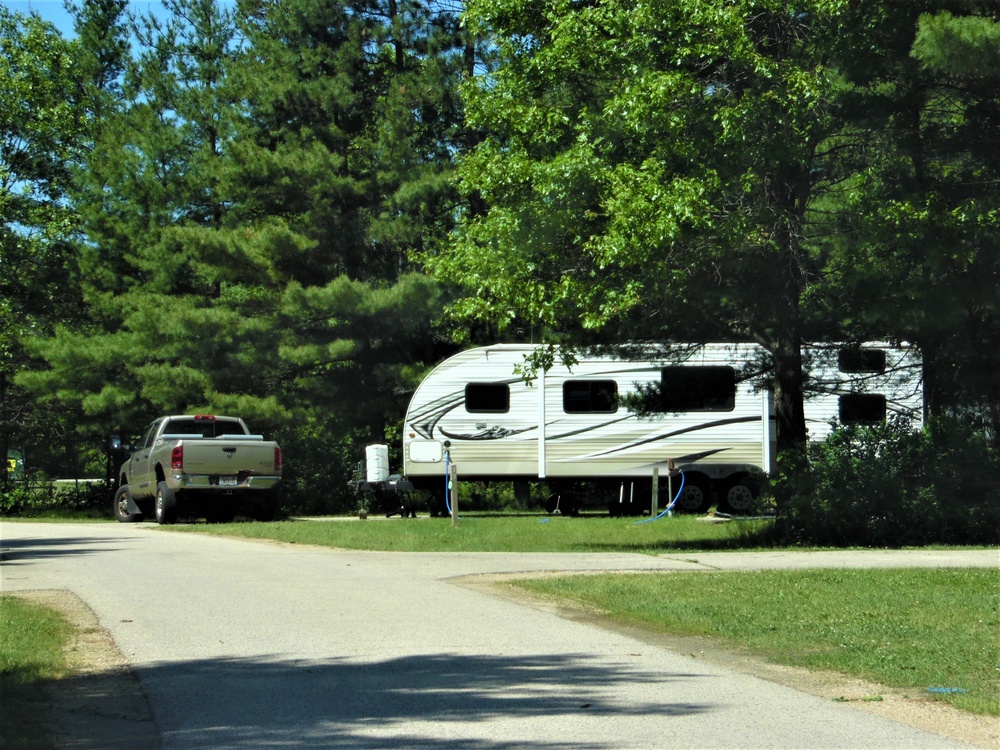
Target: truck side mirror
{"points": [[115, 445]]}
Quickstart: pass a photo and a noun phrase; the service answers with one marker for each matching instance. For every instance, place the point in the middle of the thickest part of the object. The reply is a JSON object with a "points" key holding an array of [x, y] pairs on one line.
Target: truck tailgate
{"points": [[228, 457]]}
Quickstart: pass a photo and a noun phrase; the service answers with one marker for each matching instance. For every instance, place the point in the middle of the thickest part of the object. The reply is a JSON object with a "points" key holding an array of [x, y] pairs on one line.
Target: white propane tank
{"points": [[377, 463]]}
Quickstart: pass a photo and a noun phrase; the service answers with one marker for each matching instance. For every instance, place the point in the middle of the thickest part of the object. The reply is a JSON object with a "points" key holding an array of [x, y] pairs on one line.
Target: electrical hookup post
{"points": [[453, 492]]}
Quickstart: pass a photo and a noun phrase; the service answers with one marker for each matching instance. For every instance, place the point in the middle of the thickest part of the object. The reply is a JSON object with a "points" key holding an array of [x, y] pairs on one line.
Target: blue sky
{"points": [[54, 12]]}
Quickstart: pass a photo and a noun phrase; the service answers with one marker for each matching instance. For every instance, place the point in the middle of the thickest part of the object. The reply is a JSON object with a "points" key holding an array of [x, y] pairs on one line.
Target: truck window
{"points": [[487, 398], [701, 388], [223, 427], [189, 427], [862, 408], [204, 427], [147, 437], [590, 396]]}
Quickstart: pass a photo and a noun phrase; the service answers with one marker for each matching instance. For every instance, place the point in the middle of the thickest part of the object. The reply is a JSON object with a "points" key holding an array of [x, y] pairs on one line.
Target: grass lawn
{"points": [[507, 533], [911, 629], [32, 643]]}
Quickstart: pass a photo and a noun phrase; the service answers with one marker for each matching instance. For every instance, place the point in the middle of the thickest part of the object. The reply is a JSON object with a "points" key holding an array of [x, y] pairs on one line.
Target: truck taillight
{"points": [[177, 457], [277, 458]]}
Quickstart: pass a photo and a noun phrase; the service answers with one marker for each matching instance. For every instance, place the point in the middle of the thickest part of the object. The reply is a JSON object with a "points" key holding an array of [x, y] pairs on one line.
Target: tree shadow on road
{"points": [[473, 702]]}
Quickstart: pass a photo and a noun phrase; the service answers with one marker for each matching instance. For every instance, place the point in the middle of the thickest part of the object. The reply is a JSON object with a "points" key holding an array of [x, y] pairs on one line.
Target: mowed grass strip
{"points": [[486, 533], [909, 629], [33, 639]]}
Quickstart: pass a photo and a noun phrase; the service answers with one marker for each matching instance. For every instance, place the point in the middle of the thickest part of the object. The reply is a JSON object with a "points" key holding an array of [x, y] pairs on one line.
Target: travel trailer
{"points": [[712, 425]]}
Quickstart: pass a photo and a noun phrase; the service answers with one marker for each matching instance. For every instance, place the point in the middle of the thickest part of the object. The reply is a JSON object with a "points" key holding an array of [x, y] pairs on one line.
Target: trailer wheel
{"points": [[435, 503], [166, 504], [738, 496], [122, 496], [695, 497]]}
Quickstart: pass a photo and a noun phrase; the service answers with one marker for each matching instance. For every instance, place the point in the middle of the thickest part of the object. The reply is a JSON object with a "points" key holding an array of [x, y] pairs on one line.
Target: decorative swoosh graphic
{"points": [[490, 433], [674, 433]]}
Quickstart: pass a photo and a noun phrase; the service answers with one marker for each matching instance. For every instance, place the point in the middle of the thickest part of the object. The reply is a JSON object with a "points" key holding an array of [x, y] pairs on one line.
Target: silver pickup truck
{"points": [[200, 464]]}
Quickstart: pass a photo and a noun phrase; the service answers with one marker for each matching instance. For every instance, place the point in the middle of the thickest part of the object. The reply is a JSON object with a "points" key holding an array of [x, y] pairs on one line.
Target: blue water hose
{"points": [[447, 481], [670, 506]]}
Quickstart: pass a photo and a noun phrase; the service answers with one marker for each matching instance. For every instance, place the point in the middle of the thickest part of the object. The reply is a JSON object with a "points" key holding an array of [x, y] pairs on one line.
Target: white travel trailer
{"points": [[712, 420]]}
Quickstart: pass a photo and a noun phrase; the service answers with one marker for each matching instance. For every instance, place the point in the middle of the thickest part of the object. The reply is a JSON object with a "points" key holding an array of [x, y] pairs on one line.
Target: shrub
{"points": [[888, 486], [30, 498]]}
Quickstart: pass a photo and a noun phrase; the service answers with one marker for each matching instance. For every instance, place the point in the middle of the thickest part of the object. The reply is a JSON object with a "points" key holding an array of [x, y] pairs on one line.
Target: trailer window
{"points": [[590, 396], [861, 360], [862, 408], [697, 389], [487, 398]]}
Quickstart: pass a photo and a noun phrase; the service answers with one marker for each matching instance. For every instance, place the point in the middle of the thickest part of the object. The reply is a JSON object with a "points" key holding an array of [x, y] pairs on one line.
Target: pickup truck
{"points": [[202, 464]]}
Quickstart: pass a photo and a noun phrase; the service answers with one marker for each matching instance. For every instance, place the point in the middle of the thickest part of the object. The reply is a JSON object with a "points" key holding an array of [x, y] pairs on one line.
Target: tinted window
{"points": [[492, 398], [861, 360], [147, 437], [588, 396], [698, 389], [862, 408], [205, 427]]}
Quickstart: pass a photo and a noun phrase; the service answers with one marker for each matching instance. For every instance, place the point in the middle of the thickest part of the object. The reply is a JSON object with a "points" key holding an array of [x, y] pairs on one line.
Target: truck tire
{"points": [[696, 497], [122, 496], [166, 504], [738, 496]]}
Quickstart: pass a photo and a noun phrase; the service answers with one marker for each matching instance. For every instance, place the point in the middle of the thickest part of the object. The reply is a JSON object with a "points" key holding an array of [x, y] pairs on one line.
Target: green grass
{"points": [[909, 629], [490, 533], [31, 641]]}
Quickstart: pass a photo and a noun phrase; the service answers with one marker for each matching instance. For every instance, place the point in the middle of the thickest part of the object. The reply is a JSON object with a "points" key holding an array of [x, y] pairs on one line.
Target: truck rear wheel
{"points": [[166, 504], [122, 496]]}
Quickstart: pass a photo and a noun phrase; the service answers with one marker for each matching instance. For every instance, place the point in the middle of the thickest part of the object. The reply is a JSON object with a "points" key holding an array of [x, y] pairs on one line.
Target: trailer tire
{"points": [[696, 497], [122, 496], [165, 504], [435, 503], [738, 496]]}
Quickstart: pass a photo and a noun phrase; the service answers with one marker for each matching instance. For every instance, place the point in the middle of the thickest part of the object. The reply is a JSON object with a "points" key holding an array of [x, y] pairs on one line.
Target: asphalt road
{"points": [[242, 644]]}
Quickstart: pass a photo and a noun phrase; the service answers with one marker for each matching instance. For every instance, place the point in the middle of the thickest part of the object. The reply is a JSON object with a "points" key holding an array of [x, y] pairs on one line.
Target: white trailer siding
{"points": [[622, 444], [537, 437], [878, 376]]}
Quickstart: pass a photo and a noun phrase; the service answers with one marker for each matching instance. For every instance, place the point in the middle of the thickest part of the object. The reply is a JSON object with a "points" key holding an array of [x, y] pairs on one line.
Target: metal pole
{"points": [[656, 491]]}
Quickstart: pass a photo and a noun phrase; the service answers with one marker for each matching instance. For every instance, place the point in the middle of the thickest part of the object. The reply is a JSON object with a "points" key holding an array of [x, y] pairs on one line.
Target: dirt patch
{"points": [[98, 704], [902, 706]]}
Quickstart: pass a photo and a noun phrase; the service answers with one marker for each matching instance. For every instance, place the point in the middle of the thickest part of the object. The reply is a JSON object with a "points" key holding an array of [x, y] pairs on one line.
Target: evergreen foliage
{"points": [[231, 208]]}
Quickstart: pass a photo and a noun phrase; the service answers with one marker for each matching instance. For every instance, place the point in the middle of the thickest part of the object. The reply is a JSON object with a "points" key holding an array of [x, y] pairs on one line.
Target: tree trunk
{"points": [[4, 433]]}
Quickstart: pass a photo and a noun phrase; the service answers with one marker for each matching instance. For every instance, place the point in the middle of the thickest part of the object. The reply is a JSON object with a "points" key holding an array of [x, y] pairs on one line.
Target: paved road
{"points": [[242, 644]]}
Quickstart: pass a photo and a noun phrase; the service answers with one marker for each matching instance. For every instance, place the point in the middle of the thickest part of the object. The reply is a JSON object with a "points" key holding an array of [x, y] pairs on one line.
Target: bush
{"points": [[888, 486], [31, 498]]}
